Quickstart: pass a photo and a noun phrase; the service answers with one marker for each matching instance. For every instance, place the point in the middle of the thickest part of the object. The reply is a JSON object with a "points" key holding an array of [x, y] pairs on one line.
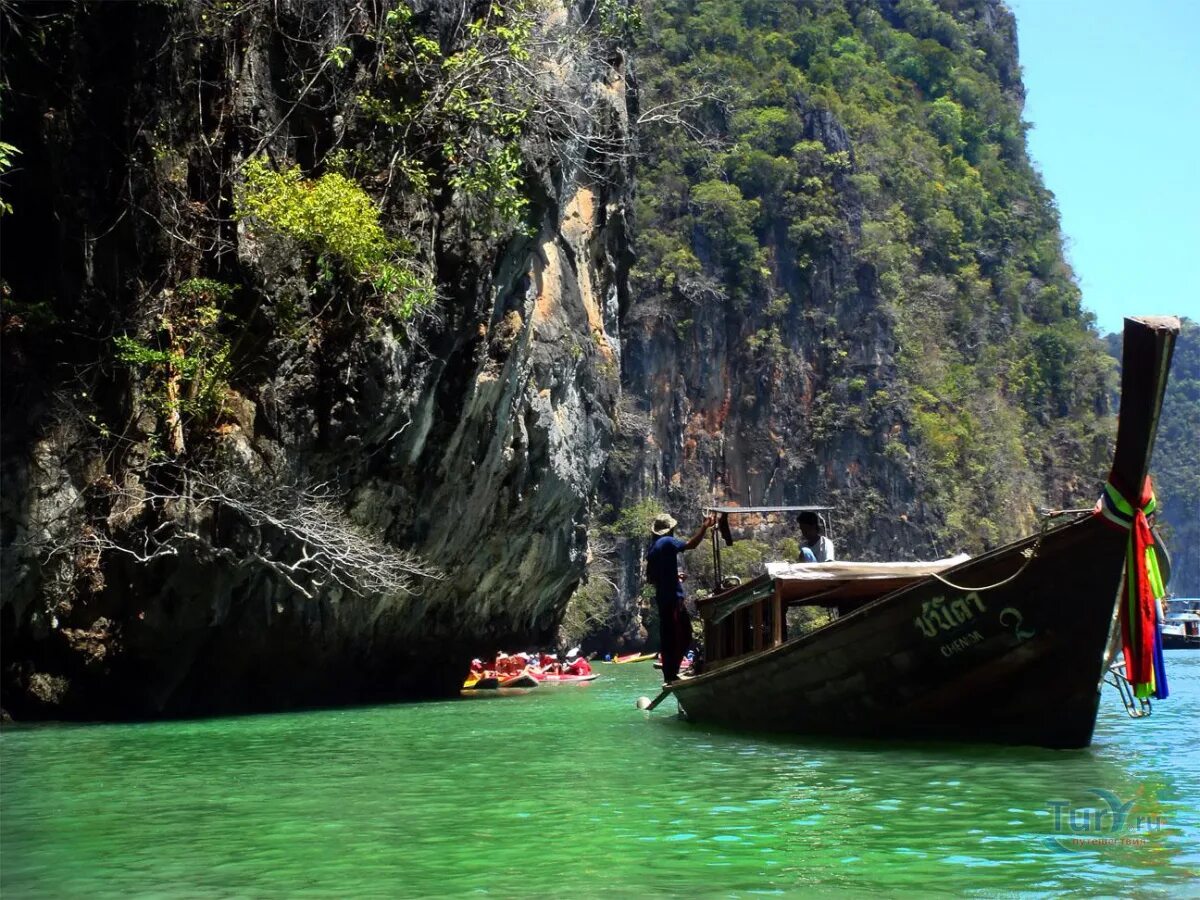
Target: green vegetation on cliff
{"points": [[338, 218], [863, 155]]}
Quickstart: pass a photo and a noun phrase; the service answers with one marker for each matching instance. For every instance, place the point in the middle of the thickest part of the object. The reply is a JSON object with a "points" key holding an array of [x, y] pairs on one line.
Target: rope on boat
{"points": [[1029, 554]]}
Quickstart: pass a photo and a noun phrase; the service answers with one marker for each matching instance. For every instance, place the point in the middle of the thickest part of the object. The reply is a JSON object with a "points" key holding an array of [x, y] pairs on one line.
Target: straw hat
{"points": [[663, 524]]}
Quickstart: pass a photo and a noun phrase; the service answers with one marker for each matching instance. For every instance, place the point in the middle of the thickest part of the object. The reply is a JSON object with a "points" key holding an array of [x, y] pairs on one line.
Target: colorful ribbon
{"points": [[1141, 611]]}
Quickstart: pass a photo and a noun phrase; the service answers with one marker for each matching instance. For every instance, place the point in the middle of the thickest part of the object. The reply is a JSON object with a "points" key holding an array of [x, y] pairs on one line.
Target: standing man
{"points": [[814, 546], [662, 571]]}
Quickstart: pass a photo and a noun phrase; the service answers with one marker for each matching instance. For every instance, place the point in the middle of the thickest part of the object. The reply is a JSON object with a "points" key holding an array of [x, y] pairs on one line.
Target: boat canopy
{"points": [[798, 581], [826, 584]]}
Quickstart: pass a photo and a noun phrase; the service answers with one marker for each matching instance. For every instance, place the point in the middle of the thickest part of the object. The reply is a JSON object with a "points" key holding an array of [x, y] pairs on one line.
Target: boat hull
{"points": [[1175, 641], [1021, 663]]}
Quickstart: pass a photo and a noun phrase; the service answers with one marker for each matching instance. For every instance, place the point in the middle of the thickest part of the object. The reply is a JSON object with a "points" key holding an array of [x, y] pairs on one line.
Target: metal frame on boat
{"points": [[1008, 647]]}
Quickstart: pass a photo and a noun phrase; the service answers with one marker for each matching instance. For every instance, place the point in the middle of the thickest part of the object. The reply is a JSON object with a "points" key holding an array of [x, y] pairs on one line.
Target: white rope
{"points": [[1029, 554]]}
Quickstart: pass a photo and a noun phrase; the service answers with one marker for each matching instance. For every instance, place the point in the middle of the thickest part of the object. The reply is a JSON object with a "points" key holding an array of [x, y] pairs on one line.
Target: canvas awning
{"points": [[825, 584], [796, 581]]}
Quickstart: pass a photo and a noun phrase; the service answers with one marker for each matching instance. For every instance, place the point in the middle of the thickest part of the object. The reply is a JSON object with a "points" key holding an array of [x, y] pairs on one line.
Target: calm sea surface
{"points": [[573, 792]]}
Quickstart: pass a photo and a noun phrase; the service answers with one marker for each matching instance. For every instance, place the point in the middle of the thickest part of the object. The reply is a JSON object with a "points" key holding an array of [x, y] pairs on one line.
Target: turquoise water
{"points": [[571, 791]]}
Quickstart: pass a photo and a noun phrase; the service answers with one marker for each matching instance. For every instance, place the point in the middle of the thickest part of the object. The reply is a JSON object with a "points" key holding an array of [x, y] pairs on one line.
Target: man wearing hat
{"points": [[662, 571], [814, 546]]}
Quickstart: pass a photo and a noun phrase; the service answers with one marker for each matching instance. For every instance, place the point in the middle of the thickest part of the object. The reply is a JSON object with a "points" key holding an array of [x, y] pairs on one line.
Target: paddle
{"points": [[648, 704]]}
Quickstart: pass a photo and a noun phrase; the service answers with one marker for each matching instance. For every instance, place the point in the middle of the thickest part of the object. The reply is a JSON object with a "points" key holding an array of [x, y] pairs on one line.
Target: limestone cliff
{"points": [[849, 287], [471, 431]]}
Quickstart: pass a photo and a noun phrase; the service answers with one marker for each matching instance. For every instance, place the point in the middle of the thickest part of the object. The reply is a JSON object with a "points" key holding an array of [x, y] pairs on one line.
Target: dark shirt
{"points": [[662, 567]]}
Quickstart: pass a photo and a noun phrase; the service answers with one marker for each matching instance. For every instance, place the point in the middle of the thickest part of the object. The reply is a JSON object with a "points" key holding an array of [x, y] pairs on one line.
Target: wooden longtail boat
{"points": [[1008, 647]]}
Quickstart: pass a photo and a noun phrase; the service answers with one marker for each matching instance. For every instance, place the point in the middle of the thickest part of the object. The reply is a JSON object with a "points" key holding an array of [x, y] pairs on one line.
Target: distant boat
{"points": [[1009, 647], [1181, 631], [1182, 605]]}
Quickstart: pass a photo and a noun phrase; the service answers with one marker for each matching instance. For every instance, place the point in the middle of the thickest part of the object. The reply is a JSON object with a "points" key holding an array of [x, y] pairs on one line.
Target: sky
{"points": [[1113, 95]]}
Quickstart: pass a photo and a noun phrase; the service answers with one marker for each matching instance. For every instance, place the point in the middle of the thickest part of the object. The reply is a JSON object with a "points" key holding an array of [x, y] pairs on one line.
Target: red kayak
{"points": [[566, 679], [521, 679], [685, 666]]}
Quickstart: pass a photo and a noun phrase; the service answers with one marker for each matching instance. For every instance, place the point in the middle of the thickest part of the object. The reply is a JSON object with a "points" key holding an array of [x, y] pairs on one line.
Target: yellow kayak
{"points": [[476, 682], [634, 657]]}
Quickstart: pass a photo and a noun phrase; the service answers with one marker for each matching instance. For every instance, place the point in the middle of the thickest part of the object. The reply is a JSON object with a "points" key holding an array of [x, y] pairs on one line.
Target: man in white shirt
{"points": [[814, 546]]}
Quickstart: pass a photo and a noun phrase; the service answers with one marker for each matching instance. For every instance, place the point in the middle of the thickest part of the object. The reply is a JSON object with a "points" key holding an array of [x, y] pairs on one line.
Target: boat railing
{"points": [[753, 617], [745, 619], [1136, 707]]}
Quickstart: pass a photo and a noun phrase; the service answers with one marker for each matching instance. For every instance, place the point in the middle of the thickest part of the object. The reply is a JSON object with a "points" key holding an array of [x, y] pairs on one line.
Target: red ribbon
{"points": [[1143, 604], [1139, 618]]}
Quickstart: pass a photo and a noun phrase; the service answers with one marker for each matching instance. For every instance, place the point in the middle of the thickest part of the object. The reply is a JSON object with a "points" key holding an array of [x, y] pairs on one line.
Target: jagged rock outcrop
{"points": [[473, 436]]}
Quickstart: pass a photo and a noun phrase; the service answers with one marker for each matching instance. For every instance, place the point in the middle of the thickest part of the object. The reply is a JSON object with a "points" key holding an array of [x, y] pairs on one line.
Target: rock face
{"points": [[854, 294], [473, 436]]}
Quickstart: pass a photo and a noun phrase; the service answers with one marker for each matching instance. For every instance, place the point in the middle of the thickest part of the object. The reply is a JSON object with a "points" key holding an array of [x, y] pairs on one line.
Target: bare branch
{"points": [[300, 533]]}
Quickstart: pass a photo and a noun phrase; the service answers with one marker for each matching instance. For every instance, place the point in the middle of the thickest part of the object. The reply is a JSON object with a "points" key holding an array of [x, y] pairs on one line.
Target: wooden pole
{"points": [[777, 613], [657, 700]]}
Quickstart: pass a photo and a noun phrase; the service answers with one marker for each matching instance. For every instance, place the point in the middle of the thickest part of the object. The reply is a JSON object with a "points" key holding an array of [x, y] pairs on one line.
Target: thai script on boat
{"points": [[938, 614], [1112, 822]]}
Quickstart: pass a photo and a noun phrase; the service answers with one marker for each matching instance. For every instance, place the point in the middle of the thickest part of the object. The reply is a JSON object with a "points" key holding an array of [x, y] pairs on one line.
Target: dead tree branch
{"points": [[300, 533]]}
